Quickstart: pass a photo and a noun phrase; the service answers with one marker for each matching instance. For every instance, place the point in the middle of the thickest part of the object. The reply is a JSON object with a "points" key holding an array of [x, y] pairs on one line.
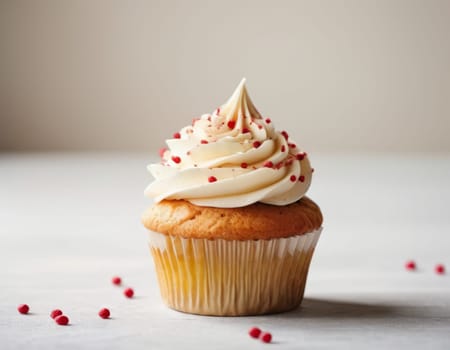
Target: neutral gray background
{"points": [[124, 75]]}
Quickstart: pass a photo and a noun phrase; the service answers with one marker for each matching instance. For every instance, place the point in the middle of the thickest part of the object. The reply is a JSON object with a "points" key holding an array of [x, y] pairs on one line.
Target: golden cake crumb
{"points": [[256, 221]]}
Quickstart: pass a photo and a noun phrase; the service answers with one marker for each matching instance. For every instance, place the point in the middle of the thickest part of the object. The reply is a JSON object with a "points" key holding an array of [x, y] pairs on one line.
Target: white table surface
{"points": [[69, 222]]}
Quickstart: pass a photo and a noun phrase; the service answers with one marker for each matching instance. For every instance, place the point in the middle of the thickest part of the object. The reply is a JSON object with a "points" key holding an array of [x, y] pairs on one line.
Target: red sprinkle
{"points": [[212, 179], [245, 130], [244, 165], [266, 337], [116, 280], [260, 126], [23, 308], [439, 269], [293, 178], [161, 151], [204, 142], [268, 164], [129, 292], [268, 121], [256, 144], [301, 178], [283, 148], [176, 159], [285, 134], [104, 313], [62, 320], [55, 313], [254, 332], [292, 145], [300, 156], [231, 124], [312, 170], [218, 111], [410, 265], [177, 135]]}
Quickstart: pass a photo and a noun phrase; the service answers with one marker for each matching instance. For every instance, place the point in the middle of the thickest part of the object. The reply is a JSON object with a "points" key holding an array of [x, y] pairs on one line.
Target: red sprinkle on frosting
{"points": [[285, 134], [268, 164], [177, 135], [312, 170], [218, 110], [283, 148], [293, 178], [162, 151], [203, 142], [301, 178], [300, 156], [245, 130], [212, 179], [268, 121], [256, 144], [244, 165], [292, 145], [231, 124], [176, 159]]}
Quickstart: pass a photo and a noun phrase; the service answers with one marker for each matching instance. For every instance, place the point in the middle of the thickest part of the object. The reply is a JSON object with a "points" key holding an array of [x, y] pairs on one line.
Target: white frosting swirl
{"points": [[231, 158]]}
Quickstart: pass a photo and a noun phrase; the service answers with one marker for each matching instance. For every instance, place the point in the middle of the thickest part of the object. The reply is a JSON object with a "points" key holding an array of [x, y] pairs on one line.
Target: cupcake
{"points": [[231, 231]]}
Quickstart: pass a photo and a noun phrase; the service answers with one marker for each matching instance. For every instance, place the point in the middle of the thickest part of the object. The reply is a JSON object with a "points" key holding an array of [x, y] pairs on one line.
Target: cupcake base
{"points": [[232, 278]]}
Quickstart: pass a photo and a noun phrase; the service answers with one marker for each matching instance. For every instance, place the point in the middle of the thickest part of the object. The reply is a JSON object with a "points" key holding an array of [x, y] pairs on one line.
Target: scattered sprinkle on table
{"points": [[266, 337], [55, 313], [129, 292], [23, 308], [116, 280], [62, 320], [104, 313], [410, 265], [254, 332], [439, 269]]}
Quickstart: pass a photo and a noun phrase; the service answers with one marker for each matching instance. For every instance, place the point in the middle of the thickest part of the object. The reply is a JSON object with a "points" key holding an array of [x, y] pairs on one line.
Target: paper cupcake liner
{"points": [[231, 278]]}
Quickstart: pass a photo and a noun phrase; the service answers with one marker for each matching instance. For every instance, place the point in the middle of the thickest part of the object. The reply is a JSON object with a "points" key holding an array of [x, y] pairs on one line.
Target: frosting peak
{"points": [[231, 158], [239, 105]]}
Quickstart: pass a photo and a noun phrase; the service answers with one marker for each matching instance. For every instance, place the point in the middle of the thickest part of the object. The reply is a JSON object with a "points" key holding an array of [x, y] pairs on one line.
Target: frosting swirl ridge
{"points": [[231, 158]]}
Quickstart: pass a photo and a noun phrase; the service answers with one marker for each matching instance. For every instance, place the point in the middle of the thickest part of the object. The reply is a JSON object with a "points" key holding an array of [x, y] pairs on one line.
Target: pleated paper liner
{"points": [[232, 278]]}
